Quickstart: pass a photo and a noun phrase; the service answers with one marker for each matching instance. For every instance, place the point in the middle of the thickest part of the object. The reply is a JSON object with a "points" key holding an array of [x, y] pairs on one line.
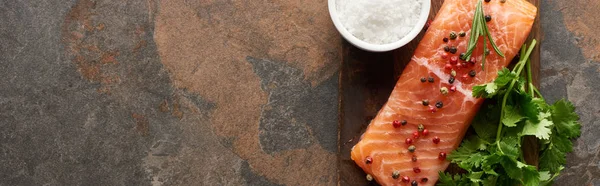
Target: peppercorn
{"points": [[442, 156], [423, 80], [444, 90], [439, 104], [453, 73], [487, 51], [487, 1], [396, 123], [416, 169], [472, 60], [424, 180], [369, 177], [368, 160], [403, 122], [447, 48], [488, 18], [448, 66], [425, 132], [396, 174], [408, 141], [414, 159], [405, 179], [436, 140], [430, 79], [425, 102], [472, 73], [451, 80], [445, 40], [420, 128], [462, 34], [453, 59], [461, 56], [444, 55], [414, 183], [416, 134], [452, 49], [452, 35], [453, 88], [432, 109]]}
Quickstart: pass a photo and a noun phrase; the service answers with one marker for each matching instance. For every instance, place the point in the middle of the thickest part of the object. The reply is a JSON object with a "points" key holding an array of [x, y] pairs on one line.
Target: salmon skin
{"points": [[384, 147]]}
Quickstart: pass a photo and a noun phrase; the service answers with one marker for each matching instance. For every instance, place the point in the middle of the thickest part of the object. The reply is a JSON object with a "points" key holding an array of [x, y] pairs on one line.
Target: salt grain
{"points": [[379, 21]]}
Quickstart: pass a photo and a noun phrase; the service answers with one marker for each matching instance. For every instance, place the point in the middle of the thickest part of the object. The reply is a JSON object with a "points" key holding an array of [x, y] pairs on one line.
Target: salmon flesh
{"points": [[384, 148]]}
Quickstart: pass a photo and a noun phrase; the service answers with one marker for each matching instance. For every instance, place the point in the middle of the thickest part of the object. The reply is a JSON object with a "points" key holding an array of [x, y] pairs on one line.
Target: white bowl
{"points": [[383, 47]]}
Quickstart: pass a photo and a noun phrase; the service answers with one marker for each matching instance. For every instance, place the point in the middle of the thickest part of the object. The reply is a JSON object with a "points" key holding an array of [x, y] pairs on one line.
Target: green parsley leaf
{"points": [[565, 118], [554, 156], [511, 116], [540, 130], [531, 177]]}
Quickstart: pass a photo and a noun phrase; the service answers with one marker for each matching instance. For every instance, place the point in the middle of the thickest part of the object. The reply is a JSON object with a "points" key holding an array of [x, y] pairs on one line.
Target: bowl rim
{"points": [[376, 47]]}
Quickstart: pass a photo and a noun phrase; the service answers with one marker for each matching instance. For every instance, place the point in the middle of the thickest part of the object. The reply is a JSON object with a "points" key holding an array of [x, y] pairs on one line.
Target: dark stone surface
{"points": [[86, 97]]}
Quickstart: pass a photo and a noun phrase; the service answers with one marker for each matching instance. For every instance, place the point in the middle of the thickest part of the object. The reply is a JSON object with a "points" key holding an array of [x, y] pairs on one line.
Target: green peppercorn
{"points": [[412, 148], [472, 73], [444, 90], [453, 35], [423, 80], [369, 177], [488, 18], [453, 73], [420, 128], [396, 174], [462, 34]]}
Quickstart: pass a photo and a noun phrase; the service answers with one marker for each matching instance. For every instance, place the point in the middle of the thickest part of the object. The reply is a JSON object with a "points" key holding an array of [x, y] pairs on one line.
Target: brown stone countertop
{"points": [[215, 92]]}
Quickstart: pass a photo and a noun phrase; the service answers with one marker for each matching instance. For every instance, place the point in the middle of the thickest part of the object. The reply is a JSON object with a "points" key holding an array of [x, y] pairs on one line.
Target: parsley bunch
{"points": [[514, 109]]}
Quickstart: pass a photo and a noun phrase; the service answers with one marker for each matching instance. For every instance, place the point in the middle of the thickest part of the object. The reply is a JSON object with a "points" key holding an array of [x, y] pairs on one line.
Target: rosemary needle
{"points": [[479, 28]]}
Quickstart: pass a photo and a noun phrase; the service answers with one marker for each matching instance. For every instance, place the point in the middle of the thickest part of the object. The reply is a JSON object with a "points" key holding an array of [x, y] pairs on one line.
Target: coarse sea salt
{"points": [[379, 21]]}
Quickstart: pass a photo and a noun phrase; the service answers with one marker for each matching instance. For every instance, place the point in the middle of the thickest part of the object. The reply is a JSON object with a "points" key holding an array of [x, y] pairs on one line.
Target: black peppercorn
{"points": [[488, 18], [403, 122], [424, 180], [451, 80], [487, 1], [462, 34], [461, 56], [414, 183], [412, 148], [472, 73], [396, 174], [445, 40], [439, 104], [414, 159], [423, 80], [430, 79], [425, 102], [447, 48], [452, 49]]}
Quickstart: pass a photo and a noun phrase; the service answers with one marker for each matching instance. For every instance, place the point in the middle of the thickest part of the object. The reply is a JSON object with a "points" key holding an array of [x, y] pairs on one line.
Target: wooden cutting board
{"points": [[366, 81]]}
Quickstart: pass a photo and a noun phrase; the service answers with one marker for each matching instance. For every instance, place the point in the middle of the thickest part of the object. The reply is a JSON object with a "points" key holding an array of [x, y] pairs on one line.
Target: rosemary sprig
{"points": [[479, 28]]}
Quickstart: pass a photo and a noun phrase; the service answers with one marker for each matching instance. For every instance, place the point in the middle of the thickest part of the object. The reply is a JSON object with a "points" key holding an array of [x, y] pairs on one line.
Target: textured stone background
{"points": [[165, 92]]}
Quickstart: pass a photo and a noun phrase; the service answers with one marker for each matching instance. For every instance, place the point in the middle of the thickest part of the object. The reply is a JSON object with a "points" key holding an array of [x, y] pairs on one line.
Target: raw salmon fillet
{"points": [[383, 148]]}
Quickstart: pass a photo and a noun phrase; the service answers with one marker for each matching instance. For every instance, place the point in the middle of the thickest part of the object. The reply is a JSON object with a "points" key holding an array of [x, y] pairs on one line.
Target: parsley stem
{"points": [[519, 67], [529, 79]]}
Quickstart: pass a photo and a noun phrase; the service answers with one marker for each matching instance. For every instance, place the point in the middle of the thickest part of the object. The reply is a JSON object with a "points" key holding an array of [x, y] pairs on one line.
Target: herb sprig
{"points": [[494, 156], [479, 28]]}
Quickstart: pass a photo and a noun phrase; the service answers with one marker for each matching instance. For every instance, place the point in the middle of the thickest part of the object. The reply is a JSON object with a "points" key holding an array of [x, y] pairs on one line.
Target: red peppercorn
{"points": [[416, 134], [396, 123], [408, 141], [453, 59], [432, 109], [444, 55], [442, 156], [436, 140], [368, 160], [472, 60], [448, 66], [453, 88], [405, 179], [425, 132], [416, 169]]}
